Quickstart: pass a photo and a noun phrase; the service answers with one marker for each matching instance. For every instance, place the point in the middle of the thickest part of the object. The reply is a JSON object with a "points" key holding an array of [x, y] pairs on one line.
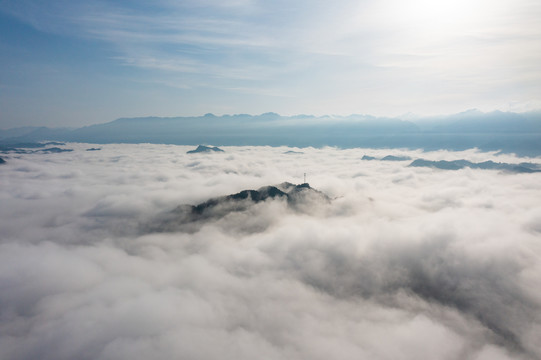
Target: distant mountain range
{"points": [[505, 131], [27, 148], [485, 165]]}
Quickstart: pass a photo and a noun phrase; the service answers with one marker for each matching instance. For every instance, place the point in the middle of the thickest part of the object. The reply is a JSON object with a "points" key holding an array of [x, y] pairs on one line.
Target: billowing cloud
{"points": [[404, 262]]}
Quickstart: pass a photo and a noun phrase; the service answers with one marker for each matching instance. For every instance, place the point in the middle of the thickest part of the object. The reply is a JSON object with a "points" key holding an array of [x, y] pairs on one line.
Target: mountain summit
{"points": [[295, 195], [299, 198], [205, 149]]}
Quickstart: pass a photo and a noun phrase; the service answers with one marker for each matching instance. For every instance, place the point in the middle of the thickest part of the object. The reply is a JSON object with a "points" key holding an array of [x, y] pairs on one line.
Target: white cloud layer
{"points": [[406, 263]]}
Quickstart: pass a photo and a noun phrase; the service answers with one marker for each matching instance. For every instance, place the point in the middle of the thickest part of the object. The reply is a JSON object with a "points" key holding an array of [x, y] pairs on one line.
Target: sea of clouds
{"points": [[405, 263]]}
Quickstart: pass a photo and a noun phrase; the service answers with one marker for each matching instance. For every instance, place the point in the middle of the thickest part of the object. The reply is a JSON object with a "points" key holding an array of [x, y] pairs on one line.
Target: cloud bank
{"points": [[404, 263]]}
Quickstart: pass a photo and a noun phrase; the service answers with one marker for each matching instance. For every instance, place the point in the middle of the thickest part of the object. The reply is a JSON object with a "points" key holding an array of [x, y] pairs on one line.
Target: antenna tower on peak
{"points": [[304, 178]]}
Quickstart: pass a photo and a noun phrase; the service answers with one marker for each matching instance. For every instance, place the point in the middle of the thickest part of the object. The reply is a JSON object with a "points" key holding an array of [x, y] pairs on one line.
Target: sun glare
{"points": [[433, 15]]}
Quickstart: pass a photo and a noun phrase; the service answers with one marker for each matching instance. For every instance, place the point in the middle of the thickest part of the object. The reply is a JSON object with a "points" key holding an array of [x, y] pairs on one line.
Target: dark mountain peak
{"points": [[300, 198], [303, 186], [205, 149], [396, 158], [387, 158], [292, 189], [269, 192], [241, 200], [285, 190], [291, 152], [54, 150]]}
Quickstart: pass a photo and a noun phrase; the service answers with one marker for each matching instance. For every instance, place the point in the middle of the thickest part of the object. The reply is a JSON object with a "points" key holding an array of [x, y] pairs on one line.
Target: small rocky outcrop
{"points": [[205, 149]]}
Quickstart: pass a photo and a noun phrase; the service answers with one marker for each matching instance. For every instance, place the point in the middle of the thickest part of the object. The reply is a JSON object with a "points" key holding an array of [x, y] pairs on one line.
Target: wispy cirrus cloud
{"points": [[380, 57]]}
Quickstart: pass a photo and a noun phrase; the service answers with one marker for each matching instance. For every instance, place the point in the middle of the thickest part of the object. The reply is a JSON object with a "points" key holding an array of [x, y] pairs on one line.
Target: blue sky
{"points": [[72, 63]]}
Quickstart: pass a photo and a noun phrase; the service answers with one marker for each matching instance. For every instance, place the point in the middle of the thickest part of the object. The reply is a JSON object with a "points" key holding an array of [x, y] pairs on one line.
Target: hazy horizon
{"points": [[410, 116], [518, 133]]}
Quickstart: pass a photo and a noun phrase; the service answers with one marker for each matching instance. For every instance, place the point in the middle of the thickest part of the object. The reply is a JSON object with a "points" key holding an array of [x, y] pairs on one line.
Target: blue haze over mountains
{"points": [[518, 133]]}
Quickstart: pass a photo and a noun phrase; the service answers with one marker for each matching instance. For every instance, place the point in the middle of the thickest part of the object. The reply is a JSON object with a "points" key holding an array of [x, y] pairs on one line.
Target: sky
{"points": [[403, 263], [74, 63]]}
